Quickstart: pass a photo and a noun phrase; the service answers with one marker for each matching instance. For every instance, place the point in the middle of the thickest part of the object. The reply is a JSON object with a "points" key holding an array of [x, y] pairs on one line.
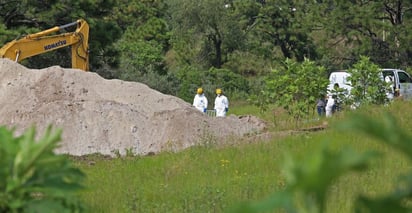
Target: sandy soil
{"points": [[107, 116]]}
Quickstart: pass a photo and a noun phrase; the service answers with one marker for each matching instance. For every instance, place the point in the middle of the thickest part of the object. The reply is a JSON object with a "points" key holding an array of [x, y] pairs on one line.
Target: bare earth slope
{"points": [[101, 116]]}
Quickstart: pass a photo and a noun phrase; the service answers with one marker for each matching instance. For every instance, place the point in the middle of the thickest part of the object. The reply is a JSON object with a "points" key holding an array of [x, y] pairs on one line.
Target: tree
{"points": [[144, 43], [398, 35], [250, 57], [282, 24], [296, 88], [103, 35], [143, 61], [145, 37], [367, 82], [378, 29], [204, 32]]}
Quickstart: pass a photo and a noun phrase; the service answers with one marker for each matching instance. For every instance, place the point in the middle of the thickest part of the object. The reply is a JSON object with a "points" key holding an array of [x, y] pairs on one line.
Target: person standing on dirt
{"points": [[221, 104], [200, 100]]}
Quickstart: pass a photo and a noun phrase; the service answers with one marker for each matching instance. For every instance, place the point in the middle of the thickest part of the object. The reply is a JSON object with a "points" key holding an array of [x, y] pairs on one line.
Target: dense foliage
{"points": [[367, 82], [33, 178], [296, 88], [158, 42]]}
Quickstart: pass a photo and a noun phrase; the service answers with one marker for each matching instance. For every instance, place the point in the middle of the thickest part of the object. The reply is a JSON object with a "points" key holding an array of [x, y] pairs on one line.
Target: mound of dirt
{"points": [[107, 116]]}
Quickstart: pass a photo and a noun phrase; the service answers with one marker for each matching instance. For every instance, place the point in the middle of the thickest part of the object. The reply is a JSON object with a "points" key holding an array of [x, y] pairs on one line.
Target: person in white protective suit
{"points": [[330, 105], [390, 92], [221, 104], [200, 101]]}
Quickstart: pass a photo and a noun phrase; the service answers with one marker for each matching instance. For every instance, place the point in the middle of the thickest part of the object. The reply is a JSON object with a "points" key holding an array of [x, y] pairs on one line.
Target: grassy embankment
{"points": [[213, 178]]}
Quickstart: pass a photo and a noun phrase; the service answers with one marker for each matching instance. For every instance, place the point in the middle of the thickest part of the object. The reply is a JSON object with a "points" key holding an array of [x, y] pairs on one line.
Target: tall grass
{"points": [[214, 178], [194, 180]]}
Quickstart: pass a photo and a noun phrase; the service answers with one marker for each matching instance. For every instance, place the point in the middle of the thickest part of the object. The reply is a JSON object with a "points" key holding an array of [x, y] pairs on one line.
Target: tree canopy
{"points": [[135, 39]]}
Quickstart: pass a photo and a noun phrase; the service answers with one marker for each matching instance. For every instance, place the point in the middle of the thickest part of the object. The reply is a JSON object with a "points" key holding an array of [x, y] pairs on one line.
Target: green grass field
{"points": [[216, 178]]}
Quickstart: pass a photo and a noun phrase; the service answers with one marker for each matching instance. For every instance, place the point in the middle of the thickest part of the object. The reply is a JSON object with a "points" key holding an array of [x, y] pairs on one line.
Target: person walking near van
{"points": [[221, 104], [390, 91], [200, 100], [330, 105], [336, 95], [320, 106]]}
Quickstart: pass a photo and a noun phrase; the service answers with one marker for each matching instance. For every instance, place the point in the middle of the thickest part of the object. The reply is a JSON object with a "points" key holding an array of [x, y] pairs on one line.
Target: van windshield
{"points": [[404, 78]]}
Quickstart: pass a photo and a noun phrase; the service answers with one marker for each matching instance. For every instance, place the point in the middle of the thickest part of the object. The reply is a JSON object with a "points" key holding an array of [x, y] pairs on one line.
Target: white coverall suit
{"points": [[329, 106], [200, 102], [221, 105]]}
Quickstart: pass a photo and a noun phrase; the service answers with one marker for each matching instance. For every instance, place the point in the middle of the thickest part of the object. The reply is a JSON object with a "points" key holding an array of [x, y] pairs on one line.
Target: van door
{"points": [[388, 75], [404, 81]]}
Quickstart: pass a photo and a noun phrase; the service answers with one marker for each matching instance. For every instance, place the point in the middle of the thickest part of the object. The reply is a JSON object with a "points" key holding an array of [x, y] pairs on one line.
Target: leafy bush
{"points": [[295, 88], [368, 85], [32, 177]]}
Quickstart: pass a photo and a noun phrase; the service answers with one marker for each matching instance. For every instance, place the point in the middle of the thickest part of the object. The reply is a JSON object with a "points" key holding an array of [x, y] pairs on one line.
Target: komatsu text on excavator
{"points": [[44, 41]]}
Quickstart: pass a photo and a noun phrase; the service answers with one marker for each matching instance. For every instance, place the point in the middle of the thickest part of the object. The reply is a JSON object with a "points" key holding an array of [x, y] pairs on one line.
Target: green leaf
{"points": [[34, 177]]}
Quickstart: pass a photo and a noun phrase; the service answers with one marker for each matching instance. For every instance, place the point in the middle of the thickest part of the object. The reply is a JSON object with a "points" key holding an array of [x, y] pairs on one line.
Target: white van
{"points": [[340, 78], [402, 81]]}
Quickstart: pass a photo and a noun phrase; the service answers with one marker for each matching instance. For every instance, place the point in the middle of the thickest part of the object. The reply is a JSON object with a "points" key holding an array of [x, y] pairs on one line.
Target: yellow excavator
{"points": [[46, 41]]}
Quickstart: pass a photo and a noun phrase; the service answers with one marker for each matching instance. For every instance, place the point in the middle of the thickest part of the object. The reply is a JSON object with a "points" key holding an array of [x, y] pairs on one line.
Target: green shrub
{"points": [[296, 88], [368, 87], [32, 177]]}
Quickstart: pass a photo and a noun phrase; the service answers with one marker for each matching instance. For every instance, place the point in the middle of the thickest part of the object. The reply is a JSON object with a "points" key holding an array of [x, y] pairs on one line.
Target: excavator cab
{"points": [[46, 41]]}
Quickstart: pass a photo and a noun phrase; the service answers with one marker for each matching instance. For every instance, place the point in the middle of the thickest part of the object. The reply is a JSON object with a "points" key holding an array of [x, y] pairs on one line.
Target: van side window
{"points": [[404, 78]]}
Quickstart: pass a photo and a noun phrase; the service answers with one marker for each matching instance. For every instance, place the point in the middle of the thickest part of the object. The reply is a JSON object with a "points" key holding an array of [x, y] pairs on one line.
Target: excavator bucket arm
{"points": [[46, 41]]}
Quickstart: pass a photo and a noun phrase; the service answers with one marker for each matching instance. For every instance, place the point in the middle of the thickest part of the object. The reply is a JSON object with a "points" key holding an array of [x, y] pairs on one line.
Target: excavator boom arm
{"points": [[42, 42]]}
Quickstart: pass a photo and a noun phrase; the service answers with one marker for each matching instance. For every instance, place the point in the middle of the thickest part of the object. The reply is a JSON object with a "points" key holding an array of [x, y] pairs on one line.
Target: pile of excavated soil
{"points": [[107, 116]]}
